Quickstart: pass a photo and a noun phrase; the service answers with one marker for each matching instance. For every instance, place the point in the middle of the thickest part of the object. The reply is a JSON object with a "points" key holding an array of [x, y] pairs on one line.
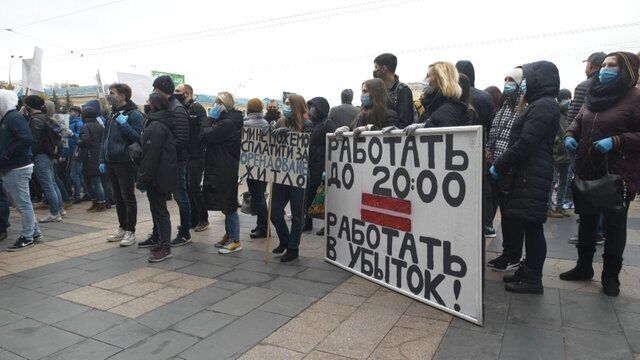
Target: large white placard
{"points": [[141, 86], [276, 159], [405, 212]]}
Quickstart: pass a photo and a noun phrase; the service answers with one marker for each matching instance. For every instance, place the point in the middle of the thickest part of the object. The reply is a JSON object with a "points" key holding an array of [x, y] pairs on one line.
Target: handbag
{"points": [[316, 210], [245, 206], [604, 195], [135, 152]]}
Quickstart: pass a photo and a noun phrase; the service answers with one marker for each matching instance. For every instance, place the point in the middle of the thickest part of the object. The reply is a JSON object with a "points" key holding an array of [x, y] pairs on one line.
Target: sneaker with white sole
{"points": [[128, 239], [117, 235], [21, 244], [230, 247], [505, 264], [63, 213], [50, 218]]}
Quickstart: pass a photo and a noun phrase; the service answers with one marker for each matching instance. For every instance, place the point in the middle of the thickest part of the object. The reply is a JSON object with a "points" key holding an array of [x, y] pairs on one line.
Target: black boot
{"points": [[308, 224], [610, 269], [530, 283], [290, 255], [280, 249], [516, 276], [583, 269]]}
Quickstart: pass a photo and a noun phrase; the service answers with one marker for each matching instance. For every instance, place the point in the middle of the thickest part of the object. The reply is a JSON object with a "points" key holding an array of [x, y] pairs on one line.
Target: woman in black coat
{"points": [[529, 160], [89, 144], [221, 135]]}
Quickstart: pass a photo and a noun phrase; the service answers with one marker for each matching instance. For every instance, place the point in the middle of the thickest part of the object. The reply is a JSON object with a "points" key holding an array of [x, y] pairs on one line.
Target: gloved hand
{"points": [[122, 118], [358, 131], [102, 168], [388, 129], [265, 129], [283, 131], [141, 186], [604, 145], [494, 173], [339, 133], [410, 129], [570, 144]]}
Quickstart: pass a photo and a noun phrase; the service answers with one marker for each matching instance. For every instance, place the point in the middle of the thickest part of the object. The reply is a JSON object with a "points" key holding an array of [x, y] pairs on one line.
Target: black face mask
{"points": [[273, 114], [181, 97], [147, 109]]}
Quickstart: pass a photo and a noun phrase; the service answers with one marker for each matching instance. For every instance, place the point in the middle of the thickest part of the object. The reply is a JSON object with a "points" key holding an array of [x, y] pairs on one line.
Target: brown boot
{"points": [[100, 207], [93, 207]]}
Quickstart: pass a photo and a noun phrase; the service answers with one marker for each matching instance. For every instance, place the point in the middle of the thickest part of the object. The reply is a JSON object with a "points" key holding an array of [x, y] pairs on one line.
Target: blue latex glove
{"points": [[570, 144], [604, 145], [102, 168], [494, 173], [121, 119]]}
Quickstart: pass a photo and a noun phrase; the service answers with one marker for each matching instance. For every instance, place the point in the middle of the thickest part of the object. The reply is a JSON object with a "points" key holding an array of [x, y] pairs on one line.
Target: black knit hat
{"points": [[564, 94], [34, 102], [164, 84]]}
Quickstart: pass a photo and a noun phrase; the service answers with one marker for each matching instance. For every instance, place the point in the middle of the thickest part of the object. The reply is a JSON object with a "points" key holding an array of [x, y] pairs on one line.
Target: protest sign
{"points": [[274, 159], [177, 79], [405, 212], [141, 86], [32, 72]]}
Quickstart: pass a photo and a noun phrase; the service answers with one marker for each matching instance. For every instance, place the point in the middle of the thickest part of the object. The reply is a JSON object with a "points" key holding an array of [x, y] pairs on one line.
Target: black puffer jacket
{"points": [[481, 100], [321, 127], [90, 140], [37, 125], [180, 128], [441, 111], [530, 151], [222, 141], [159, 165], [197, 115]]}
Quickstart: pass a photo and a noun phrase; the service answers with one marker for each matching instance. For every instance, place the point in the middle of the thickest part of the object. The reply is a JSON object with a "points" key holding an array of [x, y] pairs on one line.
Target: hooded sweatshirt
{"points": [[481, 100], [322, 125]]}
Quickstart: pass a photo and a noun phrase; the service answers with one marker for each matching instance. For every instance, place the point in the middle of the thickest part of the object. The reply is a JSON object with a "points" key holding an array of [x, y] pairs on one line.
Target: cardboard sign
{"points": [[141, 86], [277, 159], [405, 212]]}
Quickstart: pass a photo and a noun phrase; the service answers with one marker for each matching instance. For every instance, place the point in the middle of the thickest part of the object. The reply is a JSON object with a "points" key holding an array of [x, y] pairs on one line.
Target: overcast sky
{"points": [[315, 48]]}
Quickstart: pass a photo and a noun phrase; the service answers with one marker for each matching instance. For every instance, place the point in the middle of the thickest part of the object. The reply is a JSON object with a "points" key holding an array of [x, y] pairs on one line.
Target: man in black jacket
{"points": [[16, 166], [399, 93], [164, 85], [195, 170]]}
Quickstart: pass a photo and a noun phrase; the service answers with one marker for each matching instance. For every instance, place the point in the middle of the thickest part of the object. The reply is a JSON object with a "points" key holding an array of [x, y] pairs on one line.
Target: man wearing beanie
{"points": [[344, 114], [122, 129], [43, 152], [164, 85]]}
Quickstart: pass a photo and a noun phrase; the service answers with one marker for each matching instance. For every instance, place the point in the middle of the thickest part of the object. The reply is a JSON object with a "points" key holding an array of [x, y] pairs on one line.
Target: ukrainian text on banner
{"points": [[405, 212], [281, 159]]}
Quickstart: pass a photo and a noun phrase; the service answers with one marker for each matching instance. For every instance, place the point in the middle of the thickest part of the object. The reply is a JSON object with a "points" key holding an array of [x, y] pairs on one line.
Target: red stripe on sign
{"points": [[390, 221], [387, 203]]}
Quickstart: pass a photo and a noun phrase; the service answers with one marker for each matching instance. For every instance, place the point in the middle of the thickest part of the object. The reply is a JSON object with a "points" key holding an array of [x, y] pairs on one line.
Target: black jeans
{"points": [[615, 228], [281, 196], [489, 200], [122, 178], [512, 230], [4, 210], [259, 204], [160, 216], [536, 246], [199, 212]]}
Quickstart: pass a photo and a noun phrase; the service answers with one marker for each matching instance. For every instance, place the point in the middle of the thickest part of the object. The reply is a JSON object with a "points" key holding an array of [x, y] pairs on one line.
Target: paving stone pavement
{"points": [[75, 296]]}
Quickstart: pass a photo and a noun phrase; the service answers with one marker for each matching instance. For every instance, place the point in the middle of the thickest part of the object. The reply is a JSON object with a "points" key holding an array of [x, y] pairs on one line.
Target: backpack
{"points": [[52, 139]]}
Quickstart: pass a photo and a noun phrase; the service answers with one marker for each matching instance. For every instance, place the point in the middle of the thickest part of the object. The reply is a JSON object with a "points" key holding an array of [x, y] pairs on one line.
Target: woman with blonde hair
{"points": [[441, 99], [221, 135]]}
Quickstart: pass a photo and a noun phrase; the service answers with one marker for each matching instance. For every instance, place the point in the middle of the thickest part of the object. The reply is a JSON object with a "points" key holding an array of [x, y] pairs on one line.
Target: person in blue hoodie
{"points": [[122, 129], [75, 166]]}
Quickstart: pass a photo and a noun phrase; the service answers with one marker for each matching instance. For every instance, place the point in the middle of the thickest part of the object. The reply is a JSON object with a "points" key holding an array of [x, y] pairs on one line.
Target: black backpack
{"points": [[52, 139]]}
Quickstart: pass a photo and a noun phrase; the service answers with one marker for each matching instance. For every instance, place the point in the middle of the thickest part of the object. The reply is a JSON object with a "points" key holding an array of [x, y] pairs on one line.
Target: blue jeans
{"points": [[43, 168], [16, 184], [560, 176], [76, 178], [232, 225], [181, 195], [257, 190], [97, 189], [4, 210], [281, 195]]}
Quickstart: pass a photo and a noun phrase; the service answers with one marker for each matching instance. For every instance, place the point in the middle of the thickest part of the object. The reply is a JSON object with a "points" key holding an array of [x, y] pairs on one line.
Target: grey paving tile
{"points": [[316, 263], [247, 277], [87, 349], [325, 276], [162, 345], [125, 334], [587, 344], [244, 301], [7, 317], [626, 304], [248, 254], [51, 278], [477, 345], [629, 320], [51, 310], [99, 255], [5, 355], [495, 319], [495, 293], [172, 264], [117, 259], [167, 315], [524, 342], [214, 259], [535, 314], [204, 270], [633, 338], [228, 285], [57, 288], [576, 306], [91, 322], [204, 323], [13, 297], [299, 286], [34, 340], [11, 279], [237, 337], [103, 274], [53, 268], [275, 268], [288, 304], [551, 296]]}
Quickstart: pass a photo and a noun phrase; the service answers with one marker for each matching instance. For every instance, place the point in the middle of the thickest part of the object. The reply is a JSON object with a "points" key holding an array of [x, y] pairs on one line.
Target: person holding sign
{"points": [[528, 162], [221, 137], [296, 114]]}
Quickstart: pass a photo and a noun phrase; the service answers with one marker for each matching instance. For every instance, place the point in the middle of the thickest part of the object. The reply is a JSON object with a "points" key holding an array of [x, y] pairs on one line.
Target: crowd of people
{"points": [[538, 138]]}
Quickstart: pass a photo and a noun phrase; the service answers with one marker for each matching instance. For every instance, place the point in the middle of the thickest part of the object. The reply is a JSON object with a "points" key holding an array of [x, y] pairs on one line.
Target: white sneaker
{"points": [[129, 239], [51, 218], [117, 236], [63, 212]]}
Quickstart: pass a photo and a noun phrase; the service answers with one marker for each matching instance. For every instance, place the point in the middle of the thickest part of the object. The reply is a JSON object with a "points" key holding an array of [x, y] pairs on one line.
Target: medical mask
{"points": [[365, 100], [510, 87], [216, 111], [608, 75], [286, 111]]}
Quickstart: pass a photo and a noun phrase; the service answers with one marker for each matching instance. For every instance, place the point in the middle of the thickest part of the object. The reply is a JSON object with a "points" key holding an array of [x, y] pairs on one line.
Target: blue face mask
{"points": [[286, 111], [216, 111], [608, 75], [425, 84], [523, 86], [510, 87], [565, 104], [366, 101]]}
